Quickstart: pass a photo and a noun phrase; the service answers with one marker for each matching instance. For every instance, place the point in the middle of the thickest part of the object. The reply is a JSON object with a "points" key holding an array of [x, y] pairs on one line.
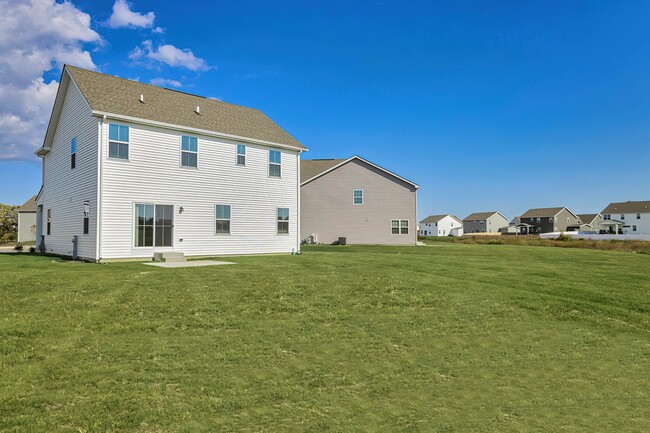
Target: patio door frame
{"points": [[154, 226]]}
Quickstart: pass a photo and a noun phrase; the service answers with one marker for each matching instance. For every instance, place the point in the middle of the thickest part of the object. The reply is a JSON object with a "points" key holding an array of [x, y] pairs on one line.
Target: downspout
{"points": [[298, 203], [416, 216], [100, 153]]}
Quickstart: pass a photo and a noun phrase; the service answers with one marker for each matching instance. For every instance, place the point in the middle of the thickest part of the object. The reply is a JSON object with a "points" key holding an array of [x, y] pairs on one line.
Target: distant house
{"points": [[548, 220], [27, 221], [590, 223], [131, 170], [357, 200], [630, 217], [441, 225], [484, 222]]}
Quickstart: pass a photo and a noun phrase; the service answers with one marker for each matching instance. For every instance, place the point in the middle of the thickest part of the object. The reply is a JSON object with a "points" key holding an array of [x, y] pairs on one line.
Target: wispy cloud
{"points": [[36, 36], [169, 55], [165, 82], [123, 16]]}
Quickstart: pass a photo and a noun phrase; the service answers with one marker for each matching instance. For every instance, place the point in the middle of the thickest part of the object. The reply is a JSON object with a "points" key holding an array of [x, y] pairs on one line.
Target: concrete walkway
{"points": [[191, 264]]}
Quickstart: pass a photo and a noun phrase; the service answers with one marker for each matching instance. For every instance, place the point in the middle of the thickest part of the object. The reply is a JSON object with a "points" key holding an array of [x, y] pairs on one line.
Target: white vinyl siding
{"points": [[65, 191], [250, 192]]}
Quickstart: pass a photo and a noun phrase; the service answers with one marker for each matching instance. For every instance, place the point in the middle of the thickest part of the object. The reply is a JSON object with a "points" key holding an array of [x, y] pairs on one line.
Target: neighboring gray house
{"points": [[484, 222], [27, 221], [549, 220], [591, 223], [356, 200]]}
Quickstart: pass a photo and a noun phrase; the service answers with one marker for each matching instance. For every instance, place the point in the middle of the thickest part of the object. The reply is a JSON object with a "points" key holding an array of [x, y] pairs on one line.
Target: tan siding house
{"points": [[357, 200]]}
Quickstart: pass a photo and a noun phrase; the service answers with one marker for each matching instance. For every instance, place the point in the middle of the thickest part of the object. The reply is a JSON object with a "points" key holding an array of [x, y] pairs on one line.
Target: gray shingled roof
{"points": [[109, 94], [29, 205], [313, 167], [587, 218], [479, 216], [628, 207], [431, 219], [542, 212]]}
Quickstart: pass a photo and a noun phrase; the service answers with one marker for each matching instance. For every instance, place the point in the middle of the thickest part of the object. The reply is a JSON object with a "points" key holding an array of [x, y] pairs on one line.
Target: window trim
{"points": [[278, 221], [180, 156], [223, 219], [128, 143], [274, 163], [86, 217], [243, 155], [354, 197], [49, 221], [134, 225]]}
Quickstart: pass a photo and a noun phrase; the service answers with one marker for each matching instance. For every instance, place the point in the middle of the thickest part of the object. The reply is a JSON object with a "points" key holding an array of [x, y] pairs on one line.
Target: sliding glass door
{"points": [[154, 225]]}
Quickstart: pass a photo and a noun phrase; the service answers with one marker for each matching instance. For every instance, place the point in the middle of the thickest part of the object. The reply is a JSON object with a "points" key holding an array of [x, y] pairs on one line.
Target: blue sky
{"points": [[499, 105]]}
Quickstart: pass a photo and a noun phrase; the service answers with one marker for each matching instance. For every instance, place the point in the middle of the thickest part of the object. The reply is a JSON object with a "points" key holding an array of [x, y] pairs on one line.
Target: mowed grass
{"points": [[449, 338]]}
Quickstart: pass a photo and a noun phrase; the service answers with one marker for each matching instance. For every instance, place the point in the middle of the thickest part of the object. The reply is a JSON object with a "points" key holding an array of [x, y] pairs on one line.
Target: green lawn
{"points": [[447, 338]]}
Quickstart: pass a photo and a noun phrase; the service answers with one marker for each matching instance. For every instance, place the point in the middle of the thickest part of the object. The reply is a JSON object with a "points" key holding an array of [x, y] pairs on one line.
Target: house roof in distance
{"points": [[587, 218], [29, 205], [107, 94], [542, 212], [432, 219], [628, 207], [479, 216], [311, 169]]}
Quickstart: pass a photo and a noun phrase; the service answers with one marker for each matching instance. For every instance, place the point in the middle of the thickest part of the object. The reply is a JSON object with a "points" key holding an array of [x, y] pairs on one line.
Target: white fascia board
{"points": [[195, 130], [416, 186]]}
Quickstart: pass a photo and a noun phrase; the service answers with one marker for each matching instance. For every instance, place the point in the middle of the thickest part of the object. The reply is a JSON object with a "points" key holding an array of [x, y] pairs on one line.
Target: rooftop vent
{"points": [[142, 98], [198, 110]]}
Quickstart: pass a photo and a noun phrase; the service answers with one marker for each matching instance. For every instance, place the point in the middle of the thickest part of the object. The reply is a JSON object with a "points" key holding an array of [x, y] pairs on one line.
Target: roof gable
{"points": [[107, 94], [543, 212], [432, 219], [315, 168], [481, 216], [29, 205]]}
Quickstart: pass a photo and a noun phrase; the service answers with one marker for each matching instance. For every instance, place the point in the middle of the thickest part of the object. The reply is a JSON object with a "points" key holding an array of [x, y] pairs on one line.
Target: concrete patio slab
{"points": [[191, 264]]}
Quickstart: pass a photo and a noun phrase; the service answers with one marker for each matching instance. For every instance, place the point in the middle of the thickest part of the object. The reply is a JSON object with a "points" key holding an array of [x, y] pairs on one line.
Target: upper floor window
{"points": [[638, 216], [568, 219], [607, 217], [622, 216], [538, 220], [241, 154], [357, 196], [551, 219], [118, 141], [189, 151], [283, 220], [222, 219], [73, 153], [275, 163]]}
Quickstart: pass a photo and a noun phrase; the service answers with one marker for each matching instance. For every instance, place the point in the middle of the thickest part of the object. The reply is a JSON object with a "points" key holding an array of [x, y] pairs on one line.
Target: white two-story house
{"points": [[130, 169], [441, 225], [628, 217]]}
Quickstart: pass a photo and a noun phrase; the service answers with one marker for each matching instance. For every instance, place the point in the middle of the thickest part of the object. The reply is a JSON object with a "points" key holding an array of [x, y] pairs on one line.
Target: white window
{"points": [[275, 163], [551, 219], [222, 214], [154, 225], [638, 216], [118, 141], [241, 154], [283, 220], [73, 153], [86, 216], [607, 217], [539, 220], [189, 151], [633, 228], [399, 227], [622, 216], [357, 196]]}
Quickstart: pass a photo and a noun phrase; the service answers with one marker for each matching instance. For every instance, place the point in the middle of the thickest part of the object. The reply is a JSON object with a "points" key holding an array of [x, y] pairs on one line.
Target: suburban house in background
{"points": [[548, 220], [484, 222], [628, 217], [27, 221], [590, 223], [441, 225], [131, 169], [356, 200]]}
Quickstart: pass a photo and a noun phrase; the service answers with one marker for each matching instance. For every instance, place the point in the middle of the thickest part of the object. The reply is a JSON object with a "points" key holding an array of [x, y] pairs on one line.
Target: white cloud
{"points": [[36, 36], [123, 16], [169, 55], [165, 82], [158, 30]]}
